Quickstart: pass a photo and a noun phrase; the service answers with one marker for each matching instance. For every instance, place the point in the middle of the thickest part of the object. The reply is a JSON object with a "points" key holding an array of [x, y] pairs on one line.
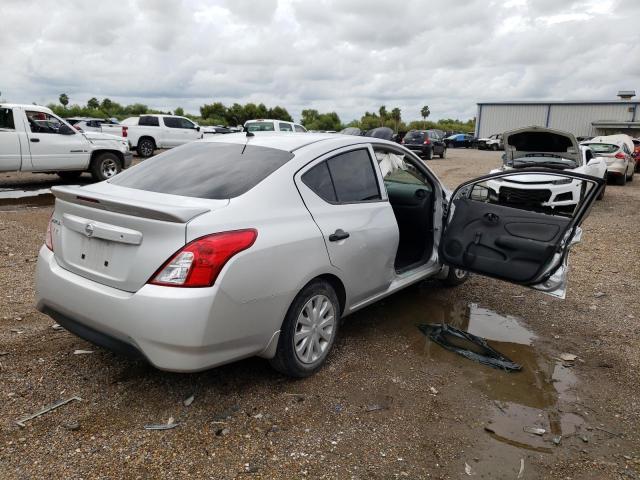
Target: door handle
{"points": [[35, 140], [491, 217], [338, 235]]}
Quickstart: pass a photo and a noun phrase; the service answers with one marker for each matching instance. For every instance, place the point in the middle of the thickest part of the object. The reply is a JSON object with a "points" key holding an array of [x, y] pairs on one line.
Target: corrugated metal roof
{"points": [[563, 102]]}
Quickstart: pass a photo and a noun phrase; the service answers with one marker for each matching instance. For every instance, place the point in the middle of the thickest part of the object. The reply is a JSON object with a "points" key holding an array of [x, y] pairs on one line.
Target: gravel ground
{"points": [[388, 404]]}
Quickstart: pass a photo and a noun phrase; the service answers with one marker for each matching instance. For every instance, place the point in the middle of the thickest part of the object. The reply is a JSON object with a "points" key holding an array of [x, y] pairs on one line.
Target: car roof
{"points": [[34, 108], [295, 141]]}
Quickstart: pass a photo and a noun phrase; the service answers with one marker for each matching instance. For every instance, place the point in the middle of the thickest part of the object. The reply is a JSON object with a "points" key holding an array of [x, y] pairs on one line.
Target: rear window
{"points": [[414, 135], [603, 147], [260, 127], [149, 121], [6, 119], [205, 170]]}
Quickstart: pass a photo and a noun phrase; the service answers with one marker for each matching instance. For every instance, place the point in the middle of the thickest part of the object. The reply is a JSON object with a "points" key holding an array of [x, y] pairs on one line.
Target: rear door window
{"points": [[148, 121], [299, 128], [414, 136], [6, 119], [172, 122], [285, 127], [205, 170]]}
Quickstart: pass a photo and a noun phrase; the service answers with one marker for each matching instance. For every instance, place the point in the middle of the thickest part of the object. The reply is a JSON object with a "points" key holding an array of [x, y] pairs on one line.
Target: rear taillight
{"points": [[620, 156], [125, 132], [427, 141], [48, 238], [199, 262]]}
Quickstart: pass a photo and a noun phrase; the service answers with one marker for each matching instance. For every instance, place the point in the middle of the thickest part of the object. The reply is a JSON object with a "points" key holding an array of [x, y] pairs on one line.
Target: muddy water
{"points": [[539, 396]]}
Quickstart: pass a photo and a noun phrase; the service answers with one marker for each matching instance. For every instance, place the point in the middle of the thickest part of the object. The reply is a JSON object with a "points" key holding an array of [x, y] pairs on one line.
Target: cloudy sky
{"points": [[342, 55]]}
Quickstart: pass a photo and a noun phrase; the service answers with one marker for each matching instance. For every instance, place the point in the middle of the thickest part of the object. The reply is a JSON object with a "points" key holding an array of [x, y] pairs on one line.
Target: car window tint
{"points": [[172, 122], [6, 119], [299, 128], [285, 127], [260, 127], [353, 177], [396, 169], [318, 179], [185, 123], [205, 170], [148, 121], [40, 122]]}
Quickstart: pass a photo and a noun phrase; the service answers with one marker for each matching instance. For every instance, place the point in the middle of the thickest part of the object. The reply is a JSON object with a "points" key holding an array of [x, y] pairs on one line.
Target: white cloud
{"points": [[342, 55]]}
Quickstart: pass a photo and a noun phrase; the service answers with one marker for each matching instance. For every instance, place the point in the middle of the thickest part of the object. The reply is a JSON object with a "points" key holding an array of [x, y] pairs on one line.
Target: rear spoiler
{"points": [[128, 206]]}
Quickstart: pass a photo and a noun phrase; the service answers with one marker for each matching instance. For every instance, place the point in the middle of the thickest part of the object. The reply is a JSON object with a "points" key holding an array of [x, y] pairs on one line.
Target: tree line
{"points": [[217, 113]]}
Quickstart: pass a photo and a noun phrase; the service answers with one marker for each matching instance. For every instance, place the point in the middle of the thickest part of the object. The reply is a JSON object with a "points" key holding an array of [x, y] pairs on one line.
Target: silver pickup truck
{"points": [[34, 139]]}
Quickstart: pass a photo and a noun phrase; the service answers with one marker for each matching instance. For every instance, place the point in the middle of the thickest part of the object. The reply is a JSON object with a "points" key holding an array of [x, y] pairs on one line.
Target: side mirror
{"points": [[65, 130], [197, 128]]}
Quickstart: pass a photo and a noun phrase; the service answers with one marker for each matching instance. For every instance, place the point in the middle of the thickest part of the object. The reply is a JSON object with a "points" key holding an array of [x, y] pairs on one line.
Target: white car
{"points": [[618, 153], [90, 124], [537, 147], [492, 142], [268, 125], [34, 139], [150, 132]]}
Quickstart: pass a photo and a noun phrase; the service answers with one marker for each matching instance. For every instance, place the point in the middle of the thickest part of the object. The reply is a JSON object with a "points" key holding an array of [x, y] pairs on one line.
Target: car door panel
{"points": [[525, 243]]}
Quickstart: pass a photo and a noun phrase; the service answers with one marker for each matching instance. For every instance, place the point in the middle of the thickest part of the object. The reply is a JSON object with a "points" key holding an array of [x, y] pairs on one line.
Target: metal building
{"points": [[588, 118]]}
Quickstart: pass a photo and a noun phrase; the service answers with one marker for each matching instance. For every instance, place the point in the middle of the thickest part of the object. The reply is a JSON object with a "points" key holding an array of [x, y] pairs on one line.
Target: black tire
{"points": [[494, 147], [630, 177], [69, 176], [622, 179], [286, 360], [601, 196], [455, 277], [104, 166], [444, 153], [145, 147], [429, 154]]}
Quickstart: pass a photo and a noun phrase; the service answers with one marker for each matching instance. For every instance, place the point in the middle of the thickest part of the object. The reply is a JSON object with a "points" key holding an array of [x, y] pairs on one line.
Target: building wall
{"points": [[574, 118]]}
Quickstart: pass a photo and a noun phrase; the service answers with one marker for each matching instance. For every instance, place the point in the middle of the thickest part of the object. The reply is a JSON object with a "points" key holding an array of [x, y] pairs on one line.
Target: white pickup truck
{"points": [[149, 132], [34, 139]]}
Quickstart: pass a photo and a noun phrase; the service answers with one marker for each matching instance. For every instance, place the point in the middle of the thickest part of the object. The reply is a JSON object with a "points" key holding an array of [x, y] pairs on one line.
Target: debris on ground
{"points": [[568, 357], [468, 470], [374, 407], [521, 471], [599, 294], [57, 327], [433, 390], [162, 426], [222, 432], [557, 440], [534, 430], [72, 426], [48, 408], [476, 348], [189, 400], [2, 354], [82, 352]]}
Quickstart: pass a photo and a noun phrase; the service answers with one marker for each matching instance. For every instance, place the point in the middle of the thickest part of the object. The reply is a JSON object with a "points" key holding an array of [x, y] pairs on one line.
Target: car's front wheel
{"points": [[145, 147], [428, 154], [444, 153], [309, 330], [105, 166]]}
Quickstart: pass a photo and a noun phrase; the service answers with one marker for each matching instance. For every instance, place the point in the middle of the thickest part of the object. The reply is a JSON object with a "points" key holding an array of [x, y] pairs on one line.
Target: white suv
{"points": [[267, 125]]}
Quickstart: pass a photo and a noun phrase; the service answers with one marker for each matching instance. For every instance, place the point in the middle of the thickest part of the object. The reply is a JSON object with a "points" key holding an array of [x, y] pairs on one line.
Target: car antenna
{"points": [[249, 135]]}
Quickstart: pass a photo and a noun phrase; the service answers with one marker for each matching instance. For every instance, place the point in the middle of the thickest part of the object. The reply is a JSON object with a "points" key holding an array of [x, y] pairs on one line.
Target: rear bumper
{"points": [[422, 149], [175, 329], [616, 168]]}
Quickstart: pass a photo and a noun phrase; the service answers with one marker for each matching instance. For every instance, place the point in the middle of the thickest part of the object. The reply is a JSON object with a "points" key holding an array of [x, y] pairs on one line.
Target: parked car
{"points": [[426, 142], [34, 139], [384, 133], [89, 124], [636, 152], [492, 142], [237, 246], [537, 147], [617, 151], [267, 125], [150, 132], [460, 140], [351, 131], [215, 130]]}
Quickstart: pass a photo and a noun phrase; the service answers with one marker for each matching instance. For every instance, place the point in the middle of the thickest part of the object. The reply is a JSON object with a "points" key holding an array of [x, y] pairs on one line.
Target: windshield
{"points": [[414, 135], [259, 127], [603, 147], [205, 170]]}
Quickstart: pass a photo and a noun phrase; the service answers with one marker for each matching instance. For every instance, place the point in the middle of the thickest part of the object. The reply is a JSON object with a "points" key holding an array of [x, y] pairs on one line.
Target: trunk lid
{"points": [[414, 138], [533, 141], [118, 236]]}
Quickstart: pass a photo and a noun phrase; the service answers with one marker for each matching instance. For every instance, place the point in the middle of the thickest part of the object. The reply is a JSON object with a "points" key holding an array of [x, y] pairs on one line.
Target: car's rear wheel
{"points": [[104, 166], [630, 177], [429, 154], [601, 196], [455, 277], [145, 147], [494, 147], [622, 179], [309, 330], [444, 153]]}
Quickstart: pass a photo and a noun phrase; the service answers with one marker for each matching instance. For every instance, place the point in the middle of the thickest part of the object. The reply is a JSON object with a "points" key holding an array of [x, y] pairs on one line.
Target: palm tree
{"points": [[64, 99], [425, 112], [396, 116], [383, 115]]}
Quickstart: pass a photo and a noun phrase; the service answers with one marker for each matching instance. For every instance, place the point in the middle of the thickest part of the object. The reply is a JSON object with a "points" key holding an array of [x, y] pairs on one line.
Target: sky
{"points": [[347, 56]]}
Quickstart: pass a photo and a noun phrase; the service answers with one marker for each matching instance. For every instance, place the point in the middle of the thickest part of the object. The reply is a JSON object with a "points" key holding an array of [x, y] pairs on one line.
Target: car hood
{"points": [[531, 141], [533, 178]]}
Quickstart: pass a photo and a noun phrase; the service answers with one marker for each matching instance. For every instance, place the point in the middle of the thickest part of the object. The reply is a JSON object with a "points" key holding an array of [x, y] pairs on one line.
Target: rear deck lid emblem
{"points": [[88, 229]]}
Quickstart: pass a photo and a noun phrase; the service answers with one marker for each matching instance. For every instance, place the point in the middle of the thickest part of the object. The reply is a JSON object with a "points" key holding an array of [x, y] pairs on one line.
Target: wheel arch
{"points": [[145, 137], [96, 153]]}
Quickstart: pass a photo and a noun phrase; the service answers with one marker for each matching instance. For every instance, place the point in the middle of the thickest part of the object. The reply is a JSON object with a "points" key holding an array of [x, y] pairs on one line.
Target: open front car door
{"points": [[503, 226]]}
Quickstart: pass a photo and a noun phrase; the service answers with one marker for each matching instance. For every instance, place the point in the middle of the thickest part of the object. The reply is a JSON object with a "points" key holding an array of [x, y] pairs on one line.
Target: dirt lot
{"points": [[389, 404]]}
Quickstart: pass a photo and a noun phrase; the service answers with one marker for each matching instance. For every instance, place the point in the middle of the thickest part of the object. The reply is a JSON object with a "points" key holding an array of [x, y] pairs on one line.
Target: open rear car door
{"points": [[513, 234]]}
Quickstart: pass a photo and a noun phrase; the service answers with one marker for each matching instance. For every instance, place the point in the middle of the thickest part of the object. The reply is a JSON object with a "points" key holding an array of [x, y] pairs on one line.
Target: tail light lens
{"points": [[427, 142], [48, 238], [125, 132], [620, 156], [199, 263]]}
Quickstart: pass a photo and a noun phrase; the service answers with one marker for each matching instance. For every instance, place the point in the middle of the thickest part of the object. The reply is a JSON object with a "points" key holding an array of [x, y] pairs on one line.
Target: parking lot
{"points": [[389, 403]]}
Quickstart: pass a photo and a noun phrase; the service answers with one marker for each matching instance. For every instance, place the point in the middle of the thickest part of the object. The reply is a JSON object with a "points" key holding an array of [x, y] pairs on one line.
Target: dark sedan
{"points": [[460, 140], [426, 143]]}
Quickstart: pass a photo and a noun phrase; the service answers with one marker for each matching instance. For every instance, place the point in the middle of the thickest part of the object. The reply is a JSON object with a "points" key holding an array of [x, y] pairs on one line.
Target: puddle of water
{"points": [[25, 198]]}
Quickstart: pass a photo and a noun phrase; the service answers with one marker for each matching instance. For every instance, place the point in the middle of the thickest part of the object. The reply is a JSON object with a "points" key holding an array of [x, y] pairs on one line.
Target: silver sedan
{"points": [[244, 245]]}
